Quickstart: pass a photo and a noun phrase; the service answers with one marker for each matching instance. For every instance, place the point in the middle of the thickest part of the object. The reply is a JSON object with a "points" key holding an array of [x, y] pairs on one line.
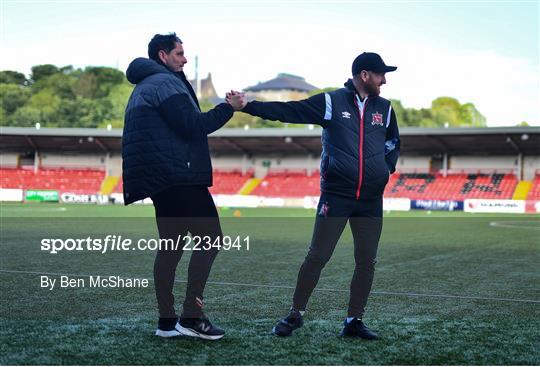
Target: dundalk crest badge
{"points": [[376, 119]]}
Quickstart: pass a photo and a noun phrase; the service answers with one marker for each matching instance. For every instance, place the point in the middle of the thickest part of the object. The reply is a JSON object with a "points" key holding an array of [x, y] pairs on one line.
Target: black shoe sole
{"points": [[195, 334]]}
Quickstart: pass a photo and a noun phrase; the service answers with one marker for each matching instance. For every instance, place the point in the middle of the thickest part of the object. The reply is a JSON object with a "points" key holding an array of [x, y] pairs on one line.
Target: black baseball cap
{"points": [[370, 61]]}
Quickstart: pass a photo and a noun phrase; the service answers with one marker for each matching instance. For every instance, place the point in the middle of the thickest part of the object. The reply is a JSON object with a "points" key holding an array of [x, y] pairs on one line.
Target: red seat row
{"points": [[225, 182], [76, 181], [288, 183], [453, 187], [229, 182]]}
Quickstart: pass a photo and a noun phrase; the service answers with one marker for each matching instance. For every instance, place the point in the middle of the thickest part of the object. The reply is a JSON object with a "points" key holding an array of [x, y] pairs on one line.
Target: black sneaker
{"points": [[200, 328], [356, 328], [286, 326], [168, 328]]}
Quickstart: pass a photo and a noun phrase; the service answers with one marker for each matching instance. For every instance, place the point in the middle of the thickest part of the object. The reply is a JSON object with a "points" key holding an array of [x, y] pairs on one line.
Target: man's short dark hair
{"points": [[162, 42]]}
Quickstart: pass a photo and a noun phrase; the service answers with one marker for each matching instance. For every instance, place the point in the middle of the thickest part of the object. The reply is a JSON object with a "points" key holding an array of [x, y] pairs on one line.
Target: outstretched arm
{"points": [[308, 111]]}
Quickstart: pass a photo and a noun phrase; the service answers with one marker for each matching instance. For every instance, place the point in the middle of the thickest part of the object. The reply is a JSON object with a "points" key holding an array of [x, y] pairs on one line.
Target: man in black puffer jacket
{"points": [[360, 143], [166, 157]]}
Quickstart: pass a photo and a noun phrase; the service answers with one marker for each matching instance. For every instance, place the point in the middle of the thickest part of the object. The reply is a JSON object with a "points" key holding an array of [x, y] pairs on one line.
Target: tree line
{"points": [[97, 97], [64, 97]]}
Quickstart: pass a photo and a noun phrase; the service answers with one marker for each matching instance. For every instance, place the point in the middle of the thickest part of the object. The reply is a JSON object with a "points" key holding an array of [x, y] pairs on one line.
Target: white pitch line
{"points": [[516, 224], [271, 286]]}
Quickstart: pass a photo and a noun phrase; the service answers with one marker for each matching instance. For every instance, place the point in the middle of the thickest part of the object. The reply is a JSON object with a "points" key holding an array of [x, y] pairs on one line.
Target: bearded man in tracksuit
{"points": [[360, 149], [166, 157]]}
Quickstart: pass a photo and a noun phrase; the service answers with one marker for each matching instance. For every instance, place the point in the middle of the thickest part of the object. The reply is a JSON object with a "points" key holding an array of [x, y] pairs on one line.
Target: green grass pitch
{"points": [[450, 288]]}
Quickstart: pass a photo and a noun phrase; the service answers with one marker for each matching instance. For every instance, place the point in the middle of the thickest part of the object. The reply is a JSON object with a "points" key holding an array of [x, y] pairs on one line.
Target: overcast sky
{"points": [[486, 53]]}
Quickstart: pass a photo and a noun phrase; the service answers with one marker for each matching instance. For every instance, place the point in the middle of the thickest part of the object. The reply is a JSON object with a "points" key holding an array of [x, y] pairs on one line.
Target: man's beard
{"points": [[372, 90]]}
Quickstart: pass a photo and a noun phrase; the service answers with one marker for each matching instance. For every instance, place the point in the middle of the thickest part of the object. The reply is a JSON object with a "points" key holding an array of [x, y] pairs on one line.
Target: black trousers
{"points": [[179, 210], [333, 213]]}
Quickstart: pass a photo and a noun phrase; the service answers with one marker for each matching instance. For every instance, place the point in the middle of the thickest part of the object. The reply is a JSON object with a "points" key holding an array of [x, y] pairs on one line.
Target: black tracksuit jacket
{"points": [[165, 142], [360, 139]]}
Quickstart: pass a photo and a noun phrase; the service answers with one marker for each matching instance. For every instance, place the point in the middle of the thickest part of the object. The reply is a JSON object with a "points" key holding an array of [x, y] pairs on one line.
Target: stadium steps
{"points": [[522, 190], [249, 186], [108, 184]]}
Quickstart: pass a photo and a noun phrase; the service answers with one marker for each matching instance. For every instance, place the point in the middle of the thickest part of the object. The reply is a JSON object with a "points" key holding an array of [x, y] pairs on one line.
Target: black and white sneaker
{"points": [[356, 328], [168, 328], [290, 323], [200, 328]]}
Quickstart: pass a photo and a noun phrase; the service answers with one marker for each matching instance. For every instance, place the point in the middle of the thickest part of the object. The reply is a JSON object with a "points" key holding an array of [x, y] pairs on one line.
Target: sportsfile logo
{"points": [[112, 243]]}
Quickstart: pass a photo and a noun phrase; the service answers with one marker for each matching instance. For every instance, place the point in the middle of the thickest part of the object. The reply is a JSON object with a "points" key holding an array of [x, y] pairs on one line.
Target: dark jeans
{"points": [[365, 220], [179, 210]]}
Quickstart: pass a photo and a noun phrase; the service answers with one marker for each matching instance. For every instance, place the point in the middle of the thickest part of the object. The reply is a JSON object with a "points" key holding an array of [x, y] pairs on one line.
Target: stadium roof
{"points": [[281, 82], [285, 141]]}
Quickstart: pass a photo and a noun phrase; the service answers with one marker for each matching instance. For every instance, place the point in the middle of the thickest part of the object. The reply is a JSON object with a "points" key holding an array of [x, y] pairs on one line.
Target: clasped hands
{"points": [[237, 100]]}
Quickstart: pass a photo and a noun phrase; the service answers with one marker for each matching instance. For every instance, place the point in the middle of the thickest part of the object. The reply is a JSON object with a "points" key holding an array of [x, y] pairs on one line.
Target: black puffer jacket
{"points": [[360, 139], [165, 141]]}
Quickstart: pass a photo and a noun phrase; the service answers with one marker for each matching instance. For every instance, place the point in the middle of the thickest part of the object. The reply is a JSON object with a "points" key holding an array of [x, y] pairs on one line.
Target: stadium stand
{"points": [[534, 193], [77, 181], [456, 186], [511, 153], [288, 183]]}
